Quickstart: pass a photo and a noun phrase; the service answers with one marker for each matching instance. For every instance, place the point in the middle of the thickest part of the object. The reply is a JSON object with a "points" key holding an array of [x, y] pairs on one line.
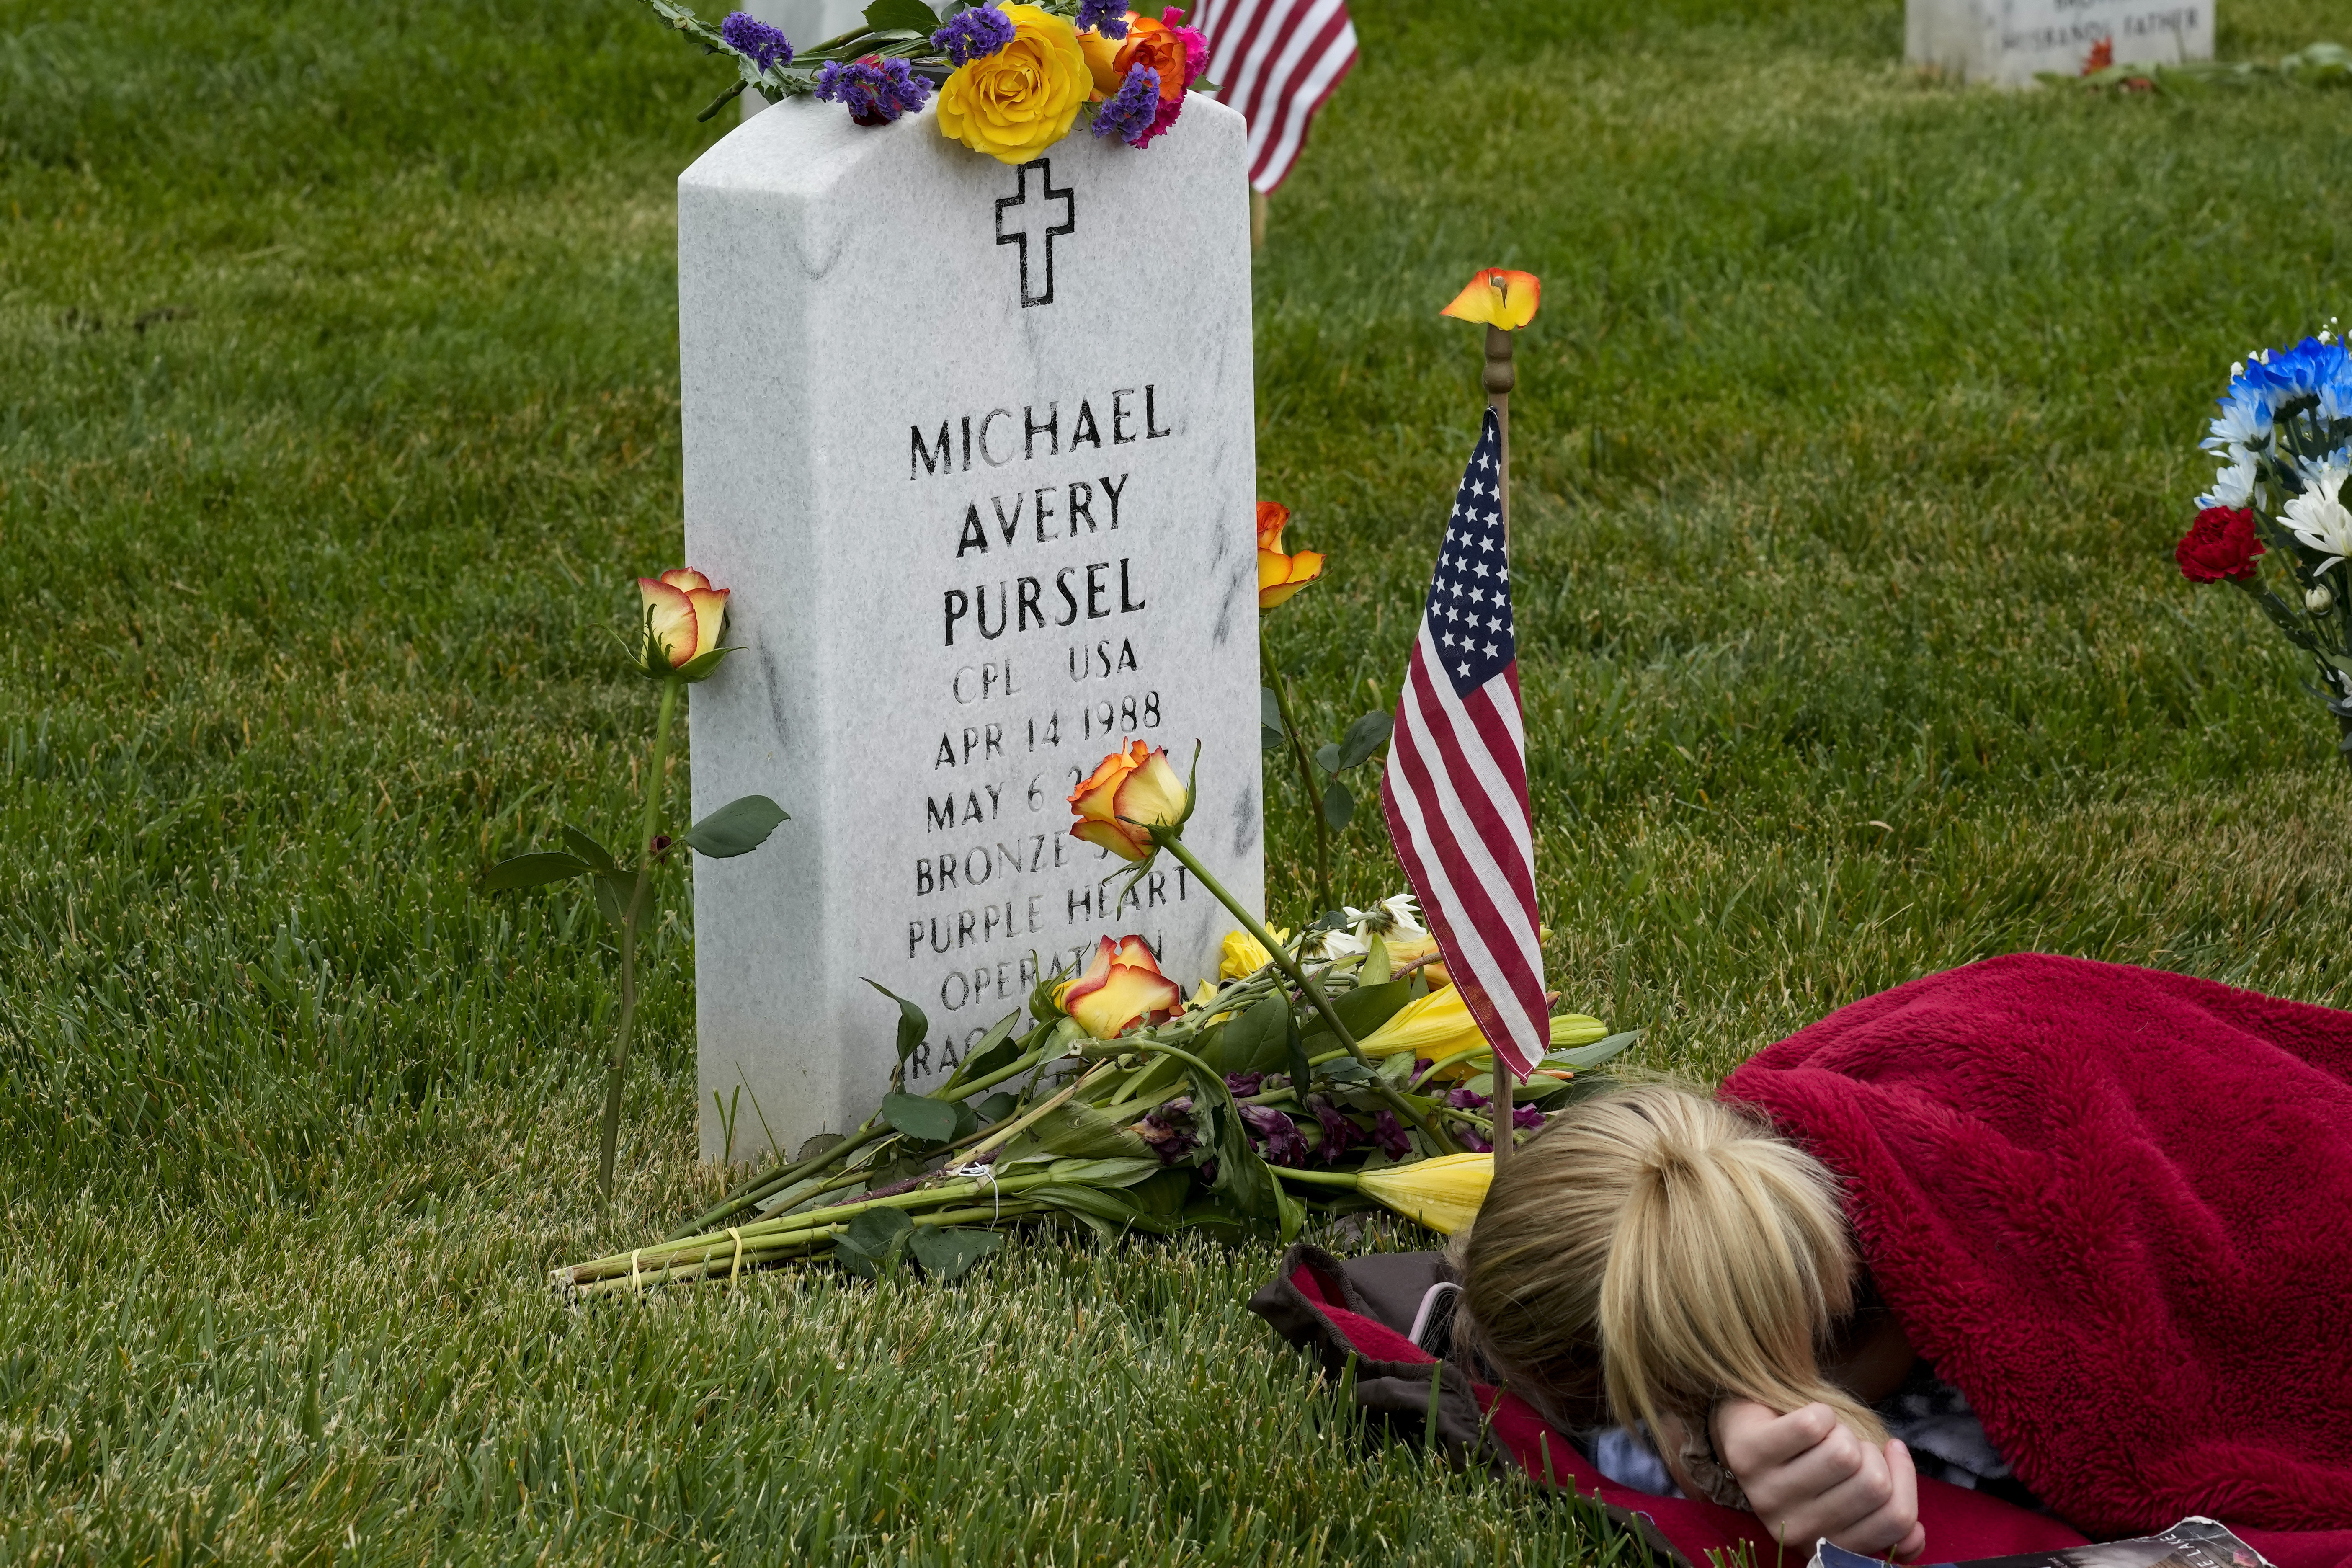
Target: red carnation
{"points": [[2220, 543]]}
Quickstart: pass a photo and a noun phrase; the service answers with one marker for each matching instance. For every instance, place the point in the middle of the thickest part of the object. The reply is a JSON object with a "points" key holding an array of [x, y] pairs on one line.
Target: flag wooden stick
{"points": [[1499, 379]]}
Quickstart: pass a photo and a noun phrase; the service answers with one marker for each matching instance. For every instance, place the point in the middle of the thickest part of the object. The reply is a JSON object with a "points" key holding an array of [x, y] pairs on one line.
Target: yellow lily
{"points": [[1441, 1193]]}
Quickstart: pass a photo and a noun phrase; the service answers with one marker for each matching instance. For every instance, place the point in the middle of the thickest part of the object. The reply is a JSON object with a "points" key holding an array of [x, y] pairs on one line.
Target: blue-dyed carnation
{"points": [[876, 90], [1107, 17], [748, 34], [973, 35], [1128, 112]]}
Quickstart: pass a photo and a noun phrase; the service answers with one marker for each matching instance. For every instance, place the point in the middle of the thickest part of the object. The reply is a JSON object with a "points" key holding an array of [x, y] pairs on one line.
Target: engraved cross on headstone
{"points": [[1031, 221]]}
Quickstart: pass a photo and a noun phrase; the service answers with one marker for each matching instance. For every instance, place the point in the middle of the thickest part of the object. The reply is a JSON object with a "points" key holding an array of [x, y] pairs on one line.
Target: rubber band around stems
{"points": [[633, 1285], [986, 1176], [737, 1267]]}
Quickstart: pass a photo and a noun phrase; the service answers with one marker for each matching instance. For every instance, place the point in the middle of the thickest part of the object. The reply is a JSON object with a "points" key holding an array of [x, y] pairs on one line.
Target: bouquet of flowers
{"points": [[1012, 79], [1331, 1069], [2284, 439]]}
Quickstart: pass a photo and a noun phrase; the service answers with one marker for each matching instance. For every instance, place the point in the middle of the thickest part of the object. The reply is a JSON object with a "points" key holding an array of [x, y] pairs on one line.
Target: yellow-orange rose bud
{"points": [[1017, 102], [1498, 299], [1121, 988], [1136, 785], [1280, 576], [683, 617]]}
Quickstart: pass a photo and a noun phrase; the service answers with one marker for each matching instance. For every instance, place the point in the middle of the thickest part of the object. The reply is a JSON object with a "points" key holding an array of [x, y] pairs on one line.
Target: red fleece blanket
{"points": [[2115, 1208]]}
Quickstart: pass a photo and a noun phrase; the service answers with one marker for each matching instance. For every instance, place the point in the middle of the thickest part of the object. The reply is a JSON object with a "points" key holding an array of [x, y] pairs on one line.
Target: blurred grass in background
{"points": [[338, 405]]}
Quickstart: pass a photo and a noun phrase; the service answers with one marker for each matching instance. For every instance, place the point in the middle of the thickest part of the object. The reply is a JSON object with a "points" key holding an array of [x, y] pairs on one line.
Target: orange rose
{"points": [[1280, 576], [682, 617], [1121, 988], [1151, 42], [1136, 784]]}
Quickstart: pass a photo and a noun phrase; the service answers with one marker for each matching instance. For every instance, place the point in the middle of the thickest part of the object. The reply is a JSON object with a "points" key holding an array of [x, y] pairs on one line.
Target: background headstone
{"points": [[2006, 41], [974, 447]]}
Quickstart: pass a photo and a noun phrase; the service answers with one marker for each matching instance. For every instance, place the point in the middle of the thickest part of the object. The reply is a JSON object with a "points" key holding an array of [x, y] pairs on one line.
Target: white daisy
{"points": [[2319, 520], [2234, 485]]}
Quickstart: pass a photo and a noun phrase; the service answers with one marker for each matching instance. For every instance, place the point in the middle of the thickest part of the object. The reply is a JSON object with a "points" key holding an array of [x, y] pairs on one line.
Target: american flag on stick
{"points": [[1456, 787], [1277, 62]]}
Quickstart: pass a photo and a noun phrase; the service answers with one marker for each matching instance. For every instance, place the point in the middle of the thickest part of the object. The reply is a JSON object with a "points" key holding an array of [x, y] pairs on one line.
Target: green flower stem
{"points": [[1168, 839], [1480, 1049], [1318, 1178], [1305, 769], [719, 1260], [1012, 1129], [793, 1231], [619, 1066], [751, 1193]]}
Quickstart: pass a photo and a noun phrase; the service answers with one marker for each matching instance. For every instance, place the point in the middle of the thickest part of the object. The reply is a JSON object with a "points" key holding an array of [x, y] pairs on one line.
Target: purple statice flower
{"points": [[1107, 17], [1161, 118], [876, 90], [1421, 1065], [1277, 1135], [748, 34], [1338, 1133], [1463, 1099], [1128, 113], [1170, 1130], [974, 35], [1242, 1085], [1472, 1140], [1526, 1116], [1389, 1134]]}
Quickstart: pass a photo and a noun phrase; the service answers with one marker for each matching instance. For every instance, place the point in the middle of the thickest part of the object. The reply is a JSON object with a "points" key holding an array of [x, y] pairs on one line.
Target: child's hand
{"points": [[1808, 1476]]}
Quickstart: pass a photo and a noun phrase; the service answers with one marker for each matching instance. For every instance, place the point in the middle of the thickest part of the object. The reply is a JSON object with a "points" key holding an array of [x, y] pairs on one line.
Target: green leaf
{"points": [[1593, 1054], [994, 1049], [1105, 1173], [1328, 759], [1268, 739], [1364, 1009], [699, 667], [1294, 1053], [902, 16], [614, 890], [736, 828], [997, 1107], [1076, 1131], [1365, 736], [817, 1143], [1254, 1041], [587, 849], [1109, 1213], [919, 1116], [1269, 711], [913, 1024], [946, 1253], [532, 870], [1339, 805], [872, 1241]]}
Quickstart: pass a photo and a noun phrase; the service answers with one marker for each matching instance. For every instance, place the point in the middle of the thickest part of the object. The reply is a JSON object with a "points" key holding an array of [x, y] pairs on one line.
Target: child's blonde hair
{"points": [[1676, 1241]]}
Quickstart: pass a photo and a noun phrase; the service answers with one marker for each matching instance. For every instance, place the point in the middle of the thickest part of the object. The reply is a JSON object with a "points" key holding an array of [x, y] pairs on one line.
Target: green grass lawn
{"points": [[339, 404]]}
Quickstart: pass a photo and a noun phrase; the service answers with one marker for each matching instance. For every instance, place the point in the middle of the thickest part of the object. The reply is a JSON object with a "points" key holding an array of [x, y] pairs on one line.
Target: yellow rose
{"points": [[1016, 103], [1243, 955]]}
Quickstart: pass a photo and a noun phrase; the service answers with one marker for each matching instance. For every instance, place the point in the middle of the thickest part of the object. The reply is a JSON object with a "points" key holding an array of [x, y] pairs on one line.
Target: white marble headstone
{"points": [[974, 448], [2006, 41]]}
